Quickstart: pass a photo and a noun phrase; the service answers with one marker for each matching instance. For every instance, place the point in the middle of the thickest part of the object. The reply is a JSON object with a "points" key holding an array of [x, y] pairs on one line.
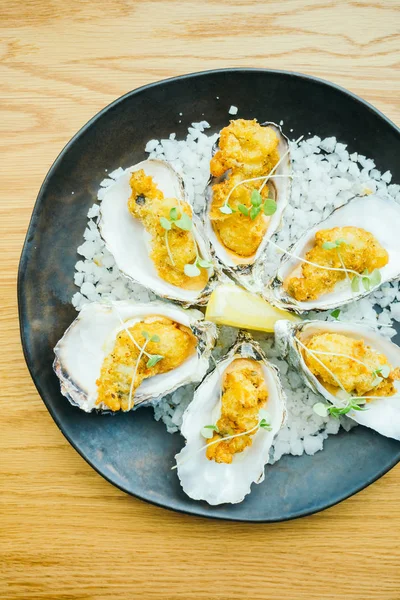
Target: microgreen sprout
{"points": [[268, 206], [324, 410], [193, 269], [208, 431], [384, 371], [335, 244], [142, 351], [368, 279], [350, 402], [227, 209], [261, 424], [153, 358], [181, 220], [335, 313]]}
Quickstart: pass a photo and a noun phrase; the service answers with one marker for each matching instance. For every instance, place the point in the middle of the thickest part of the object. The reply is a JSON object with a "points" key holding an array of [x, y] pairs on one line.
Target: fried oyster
{"points": [[170, 250], [342, 248], [244, 393], [247, 150], [127, 365], [334, 358]]}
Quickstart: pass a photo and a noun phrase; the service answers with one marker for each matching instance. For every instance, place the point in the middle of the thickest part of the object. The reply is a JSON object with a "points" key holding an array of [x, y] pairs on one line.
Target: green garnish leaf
{"points": [[185, 222], [341, 241], [207, 431], [165, 223], [256, 198], [191, 270], [384, 371], [366, 283], [269, 207], [243, 209], [335, 313], [153, 360], [352, 404], [321, 409], [226, 209], [204, 264], [146, 335], [357, 404], [355, 284], [376, 381], [254, 212], [265, 425], [155, 338], [375, 277], [173, 214], [329, 245]]}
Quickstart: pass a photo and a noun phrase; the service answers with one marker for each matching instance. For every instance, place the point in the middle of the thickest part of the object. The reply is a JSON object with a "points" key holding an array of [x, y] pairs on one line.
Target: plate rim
{"points": [[25, 254]]}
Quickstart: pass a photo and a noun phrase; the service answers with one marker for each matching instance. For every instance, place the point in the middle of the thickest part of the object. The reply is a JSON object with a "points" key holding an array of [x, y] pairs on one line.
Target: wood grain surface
{"points": [[65, 533]]}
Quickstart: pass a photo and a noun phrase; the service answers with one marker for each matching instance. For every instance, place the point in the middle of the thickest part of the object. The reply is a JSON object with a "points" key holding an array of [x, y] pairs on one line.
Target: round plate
{"points": [[133, 451]]}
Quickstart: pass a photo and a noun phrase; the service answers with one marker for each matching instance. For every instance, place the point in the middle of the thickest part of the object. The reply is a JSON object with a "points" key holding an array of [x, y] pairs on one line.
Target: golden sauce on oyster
{"points": [[159, 336], [173, 249], [358, 367], [244, 393], [246, 150], [353, 248]]}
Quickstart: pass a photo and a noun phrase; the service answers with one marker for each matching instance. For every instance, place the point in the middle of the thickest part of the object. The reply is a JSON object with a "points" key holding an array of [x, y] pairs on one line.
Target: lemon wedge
{"points": [[231, 305]]}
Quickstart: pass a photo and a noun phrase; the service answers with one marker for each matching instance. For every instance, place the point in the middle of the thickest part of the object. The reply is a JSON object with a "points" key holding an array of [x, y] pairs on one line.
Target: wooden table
{"points": [[65, 532]]}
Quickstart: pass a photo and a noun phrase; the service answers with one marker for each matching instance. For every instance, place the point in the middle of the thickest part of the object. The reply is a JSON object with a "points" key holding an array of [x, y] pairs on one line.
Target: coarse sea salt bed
{"points": [[325, 176]]}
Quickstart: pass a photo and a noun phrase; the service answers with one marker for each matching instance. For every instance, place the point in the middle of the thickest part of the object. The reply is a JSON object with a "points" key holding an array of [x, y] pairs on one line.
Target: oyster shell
{"points": [[240, 268], [218, 483], [379, 216], [383, 414], [81, 351], [130, 244]]}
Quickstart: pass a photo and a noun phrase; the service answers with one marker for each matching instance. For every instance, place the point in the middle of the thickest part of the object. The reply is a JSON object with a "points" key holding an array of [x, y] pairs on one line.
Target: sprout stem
{"points": [[277, 164], [171, 258], [314, 264], [128, 332], [142, 351], [337, 354], [223, 439], [322, 364]]}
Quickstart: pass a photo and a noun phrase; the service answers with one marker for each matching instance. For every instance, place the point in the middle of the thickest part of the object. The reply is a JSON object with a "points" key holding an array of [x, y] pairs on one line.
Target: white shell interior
{"points": [[218, 483], [383, 414], [127, 239], [282, 191], [379, 216], [81, 351]]}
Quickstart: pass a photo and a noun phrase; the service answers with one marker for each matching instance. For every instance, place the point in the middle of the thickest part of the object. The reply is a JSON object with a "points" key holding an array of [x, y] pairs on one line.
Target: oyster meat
{"points": [[353, 367], [120, 355], [230, 426], [244, 207], [349, 255], [154, 235]]}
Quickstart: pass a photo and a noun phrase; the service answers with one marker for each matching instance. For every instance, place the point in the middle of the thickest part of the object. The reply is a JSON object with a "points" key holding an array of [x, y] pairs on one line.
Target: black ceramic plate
{"points": [[133, 451]]}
